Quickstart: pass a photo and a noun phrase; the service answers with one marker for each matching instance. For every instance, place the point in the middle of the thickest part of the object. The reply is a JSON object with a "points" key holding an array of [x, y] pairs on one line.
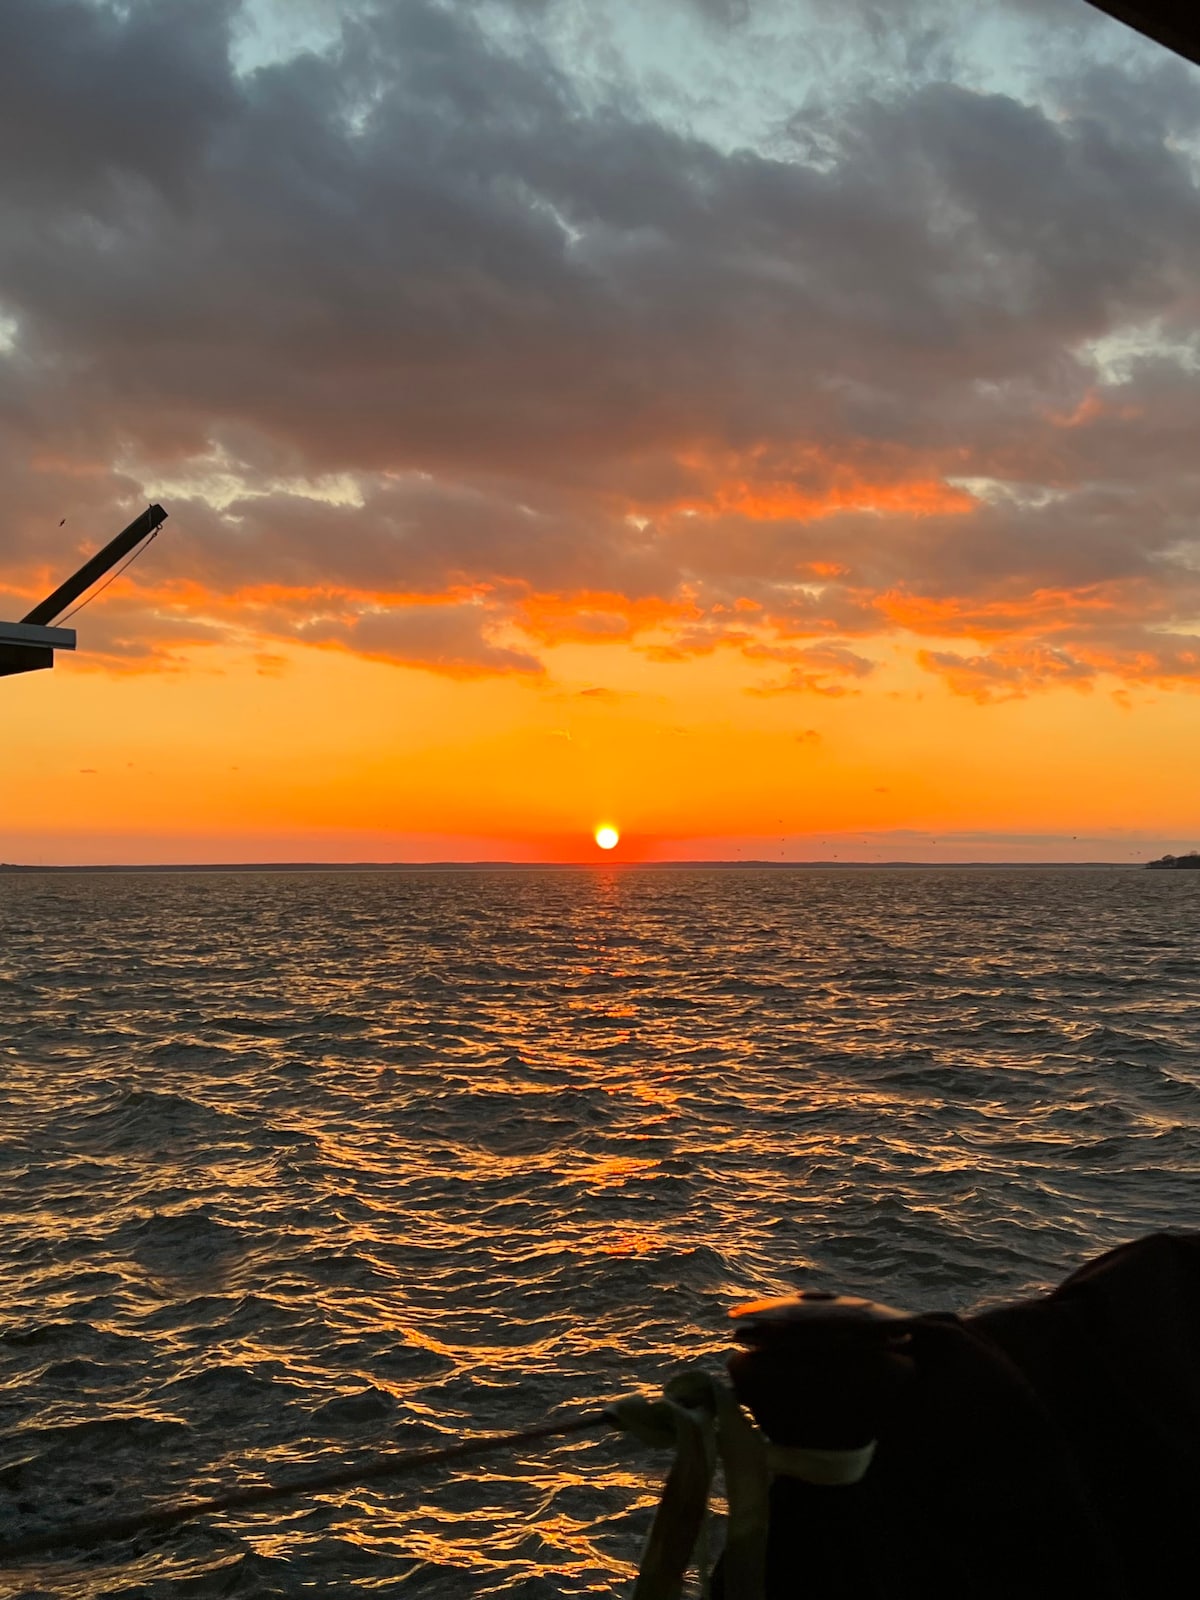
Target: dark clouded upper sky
{"points": [[849, 348]]}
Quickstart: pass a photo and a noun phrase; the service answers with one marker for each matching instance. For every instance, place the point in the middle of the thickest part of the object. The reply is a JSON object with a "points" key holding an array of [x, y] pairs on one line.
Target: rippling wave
{"points": [[299, 1166]]}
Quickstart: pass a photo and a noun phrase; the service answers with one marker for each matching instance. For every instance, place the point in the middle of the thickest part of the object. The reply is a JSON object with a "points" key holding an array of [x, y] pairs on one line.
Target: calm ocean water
{"points": [[296, 1166]]}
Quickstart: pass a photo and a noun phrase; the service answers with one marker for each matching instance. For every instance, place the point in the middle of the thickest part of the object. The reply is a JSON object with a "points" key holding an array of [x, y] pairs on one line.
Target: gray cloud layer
{"points": [[871, 376]]}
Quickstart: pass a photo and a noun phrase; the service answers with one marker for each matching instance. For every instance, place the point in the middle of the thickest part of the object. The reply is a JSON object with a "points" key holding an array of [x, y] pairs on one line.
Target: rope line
{"points": [[112, 577], [392, 1465]]}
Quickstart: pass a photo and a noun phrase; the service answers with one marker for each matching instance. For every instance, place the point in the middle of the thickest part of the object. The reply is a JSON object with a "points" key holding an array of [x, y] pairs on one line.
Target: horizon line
{"points": [[756, 863]]}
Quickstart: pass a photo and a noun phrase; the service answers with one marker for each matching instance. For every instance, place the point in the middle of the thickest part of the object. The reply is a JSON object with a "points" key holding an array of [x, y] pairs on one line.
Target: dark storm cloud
{"points": [[565, 349], [92, 95]]}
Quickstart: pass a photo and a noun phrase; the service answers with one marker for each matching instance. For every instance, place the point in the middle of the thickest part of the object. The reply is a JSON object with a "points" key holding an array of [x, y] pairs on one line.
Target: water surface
{"points": [[298, 1166]]}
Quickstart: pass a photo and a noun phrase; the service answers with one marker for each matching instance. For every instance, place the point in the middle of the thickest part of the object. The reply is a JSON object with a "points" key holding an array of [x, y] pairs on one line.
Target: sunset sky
{"points": [[772, 429]]}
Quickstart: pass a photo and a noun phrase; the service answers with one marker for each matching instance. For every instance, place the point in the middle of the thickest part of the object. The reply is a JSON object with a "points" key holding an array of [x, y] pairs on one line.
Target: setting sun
{"points": [[607, 837]]}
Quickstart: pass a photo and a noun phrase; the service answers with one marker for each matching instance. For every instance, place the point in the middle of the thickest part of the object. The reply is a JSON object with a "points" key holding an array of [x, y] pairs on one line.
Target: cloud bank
{"points": [[445, 345]]}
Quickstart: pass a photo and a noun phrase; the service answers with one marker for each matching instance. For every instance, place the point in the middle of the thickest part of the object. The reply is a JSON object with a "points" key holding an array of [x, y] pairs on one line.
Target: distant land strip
{"points": [[569, 866]]}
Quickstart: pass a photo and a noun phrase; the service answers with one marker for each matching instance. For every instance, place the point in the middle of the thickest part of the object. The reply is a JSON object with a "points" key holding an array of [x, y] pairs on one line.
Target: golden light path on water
{"points": [[299, 1166]]}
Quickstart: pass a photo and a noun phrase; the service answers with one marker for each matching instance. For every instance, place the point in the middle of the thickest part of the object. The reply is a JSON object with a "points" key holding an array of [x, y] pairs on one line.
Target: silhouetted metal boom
{"points": [[29, 645], [44, 613]]}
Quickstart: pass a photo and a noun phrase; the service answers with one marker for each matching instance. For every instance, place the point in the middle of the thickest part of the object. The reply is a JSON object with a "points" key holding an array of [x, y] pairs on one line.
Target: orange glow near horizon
{"points": [[808, 716], [330, 757]]}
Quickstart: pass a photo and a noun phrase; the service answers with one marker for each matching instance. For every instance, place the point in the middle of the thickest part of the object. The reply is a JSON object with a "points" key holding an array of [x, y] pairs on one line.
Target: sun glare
{"points": [[606, 837]]}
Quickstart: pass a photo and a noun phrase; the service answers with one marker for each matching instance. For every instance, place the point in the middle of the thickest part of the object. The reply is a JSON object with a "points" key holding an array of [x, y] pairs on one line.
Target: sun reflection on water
{"points": [[315, 1165]]}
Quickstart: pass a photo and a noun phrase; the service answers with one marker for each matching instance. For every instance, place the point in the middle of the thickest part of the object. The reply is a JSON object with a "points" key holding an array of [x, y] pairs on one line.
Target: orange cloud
{"points": [[1044, 610], [592, 617], [1007, 674], [808, 483], [817, 669], [774, 501]]}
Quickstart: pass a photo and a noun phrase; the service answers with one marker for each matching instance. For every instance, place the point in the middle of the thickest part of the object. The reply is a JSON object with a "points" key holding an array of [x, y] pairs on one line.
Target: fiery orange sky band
{"points": [[752, 433]]}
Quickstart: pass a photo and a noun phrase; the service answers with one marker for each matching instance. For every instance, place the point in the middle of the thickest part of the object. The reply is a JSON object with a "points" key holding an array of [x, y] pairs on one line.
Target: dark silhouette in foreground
{"points": [[1049, 1448], [29, 645]]}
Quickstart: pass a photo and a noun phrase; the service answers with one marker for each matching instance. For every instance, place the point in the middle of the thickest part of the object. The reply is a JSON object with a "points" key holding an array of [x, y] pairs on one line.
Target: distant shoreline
{"points": [[15, 868]]}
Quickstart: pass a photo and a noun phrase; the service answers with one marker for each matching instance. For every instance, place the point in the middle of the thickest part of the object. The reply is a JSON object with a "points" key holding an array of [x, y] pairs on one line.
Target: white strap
{"points": [[826, 1467]]}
